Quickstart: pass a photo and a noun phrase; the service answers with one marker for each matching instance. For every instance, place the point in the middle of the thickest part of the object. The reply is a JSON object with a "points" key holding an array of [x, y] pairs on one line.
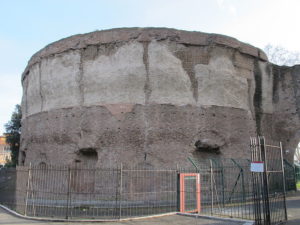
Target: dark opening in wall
{"points": [[88, 152], [23, 157], [207, 146], [42, 165], [87, 157]]}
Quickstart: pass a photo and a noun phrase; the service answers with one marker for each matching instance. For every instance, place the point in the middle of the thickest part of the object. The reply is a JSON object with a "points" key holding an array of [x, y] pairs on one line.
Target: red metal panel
{"points": [[182, 192]]}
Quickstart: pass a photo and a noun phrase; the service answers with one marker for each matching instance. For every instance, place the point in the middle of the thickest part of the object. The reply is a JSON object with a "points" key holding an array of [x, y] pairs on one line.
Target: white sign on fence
{"points": [[257, 166]]}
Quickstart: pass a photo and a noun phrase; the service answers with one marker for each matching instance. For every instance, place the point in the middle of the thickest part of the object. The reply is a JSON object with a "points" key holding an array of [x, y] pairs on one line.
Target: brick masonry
{"points": [[147, 95]]}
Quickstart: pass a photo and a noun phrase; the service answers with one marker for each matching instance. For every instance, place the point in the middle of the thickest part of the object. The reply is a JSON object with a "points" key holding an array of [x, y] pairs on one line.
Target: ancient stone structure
{"points": [[153, 96]]}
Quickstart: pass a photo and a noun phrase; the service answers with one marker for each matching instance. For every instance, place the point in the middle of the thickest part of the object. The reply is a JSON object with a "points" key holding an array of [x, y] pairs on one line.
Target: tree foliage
{"points": [[281, 56], [297, 154], [13, 132]]}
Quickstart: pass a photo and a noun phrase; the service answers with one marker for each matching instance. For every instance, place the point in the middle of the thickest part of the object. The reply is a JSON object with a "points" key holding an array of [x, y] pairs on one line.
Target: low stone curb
{"points": [[81, 220], [246, 222]]}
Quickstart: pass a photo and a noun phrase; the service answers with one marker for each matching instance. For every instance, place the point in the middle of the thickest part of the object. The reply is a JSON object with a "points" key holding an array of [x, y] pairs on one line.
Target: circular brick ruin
{"points": [[153, 96]]}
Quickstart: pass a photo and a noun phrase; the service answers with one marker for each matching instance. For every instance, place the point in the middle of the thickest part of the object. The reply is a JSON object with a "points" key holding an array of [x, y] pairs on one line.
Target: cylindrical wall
{"points": [[145, 96]]}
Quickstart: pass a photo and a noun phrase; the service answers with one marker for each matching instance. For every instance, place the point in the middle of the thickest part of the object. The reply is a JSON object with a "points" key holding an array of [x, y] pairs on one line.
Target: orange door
{"points": [[190, 192]]}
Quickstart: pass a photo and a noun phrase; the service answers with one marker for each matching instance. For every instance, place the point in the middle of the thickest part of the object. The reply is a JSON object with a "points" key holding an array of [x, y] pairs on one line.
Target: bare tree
{"points": [[281, 56]]}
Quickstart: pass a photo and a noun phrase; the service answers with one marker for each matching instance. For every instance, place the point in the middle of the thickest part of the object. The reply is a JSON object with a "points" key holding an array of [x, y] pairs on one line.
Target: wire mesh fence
{"points": [[290, 176], [225, 189]]}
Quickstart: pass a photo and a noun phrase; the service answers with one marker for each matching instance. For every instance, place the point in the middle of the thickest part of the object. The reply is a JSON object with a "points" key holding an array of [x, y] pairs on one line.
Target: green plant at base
{"points": [[298, 185]]}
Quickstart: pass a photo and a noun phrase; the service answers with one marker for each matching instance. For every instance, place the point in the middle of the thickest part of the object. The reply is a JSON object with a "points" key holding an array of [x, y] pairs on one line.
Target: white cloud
{"points": [[227, 6], [274, 22], [232, 10], [220, 3]]}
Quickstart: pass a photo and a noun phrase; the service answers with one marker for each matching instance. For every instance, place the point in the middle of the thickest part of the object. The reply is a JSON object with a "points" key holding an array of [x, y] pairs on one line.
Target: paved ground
{"points": [[8, 219], [293, 204]]}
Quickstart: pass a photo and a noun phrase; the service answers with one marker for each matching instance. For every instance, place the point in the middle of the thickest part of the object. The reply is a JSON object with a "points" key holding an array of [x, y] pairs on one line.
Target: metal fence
{"points": [[89, 193], [269, 183], [8, 187], [290, 176], [225, 189]]}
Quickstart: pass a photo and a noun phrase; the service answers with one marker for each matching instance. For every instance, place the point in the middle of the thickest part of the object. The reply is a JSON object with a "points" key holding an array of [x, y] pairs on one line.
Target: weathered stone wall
{"points": [[153, 96]]}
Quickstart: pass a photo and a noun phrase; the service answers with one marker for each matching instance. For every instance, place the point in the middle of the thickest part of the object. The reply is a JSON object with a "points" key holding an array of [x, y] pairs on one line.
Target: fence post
{"points": [[283, 182], [223, 187], [27, 189], [211, 187], [178, 191], [265, 183], [68, 192], [120, 191]]}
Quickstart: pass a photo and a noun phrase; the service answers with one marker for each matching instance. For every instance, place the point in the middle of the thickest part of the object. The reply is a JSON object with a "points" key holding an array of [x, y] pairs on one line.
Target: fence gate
{"points": [[189, 192], [268, 182]]}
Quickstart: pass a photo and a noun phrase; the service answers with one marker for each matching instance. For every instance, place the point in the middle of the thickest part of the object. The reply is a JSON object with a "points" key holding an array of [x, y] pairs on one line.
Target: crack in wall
{"points": [[276, 80], [250, 97], [257, 98], [147, 87], [147, 90], [40, 86], [80, 80], [81, 101]]}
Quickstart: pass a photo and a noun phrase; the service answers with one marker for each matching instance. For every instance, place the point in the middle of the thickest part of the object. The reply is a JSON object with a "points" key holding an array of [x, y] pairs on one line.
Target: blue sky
{"points": [[26, 26]]}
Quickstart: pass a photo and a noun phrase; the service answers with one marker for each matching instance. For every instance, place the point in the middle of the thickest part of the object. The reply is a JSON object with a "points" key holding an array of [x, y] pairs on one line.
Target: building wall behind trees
{"points": [[5, 152]]}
